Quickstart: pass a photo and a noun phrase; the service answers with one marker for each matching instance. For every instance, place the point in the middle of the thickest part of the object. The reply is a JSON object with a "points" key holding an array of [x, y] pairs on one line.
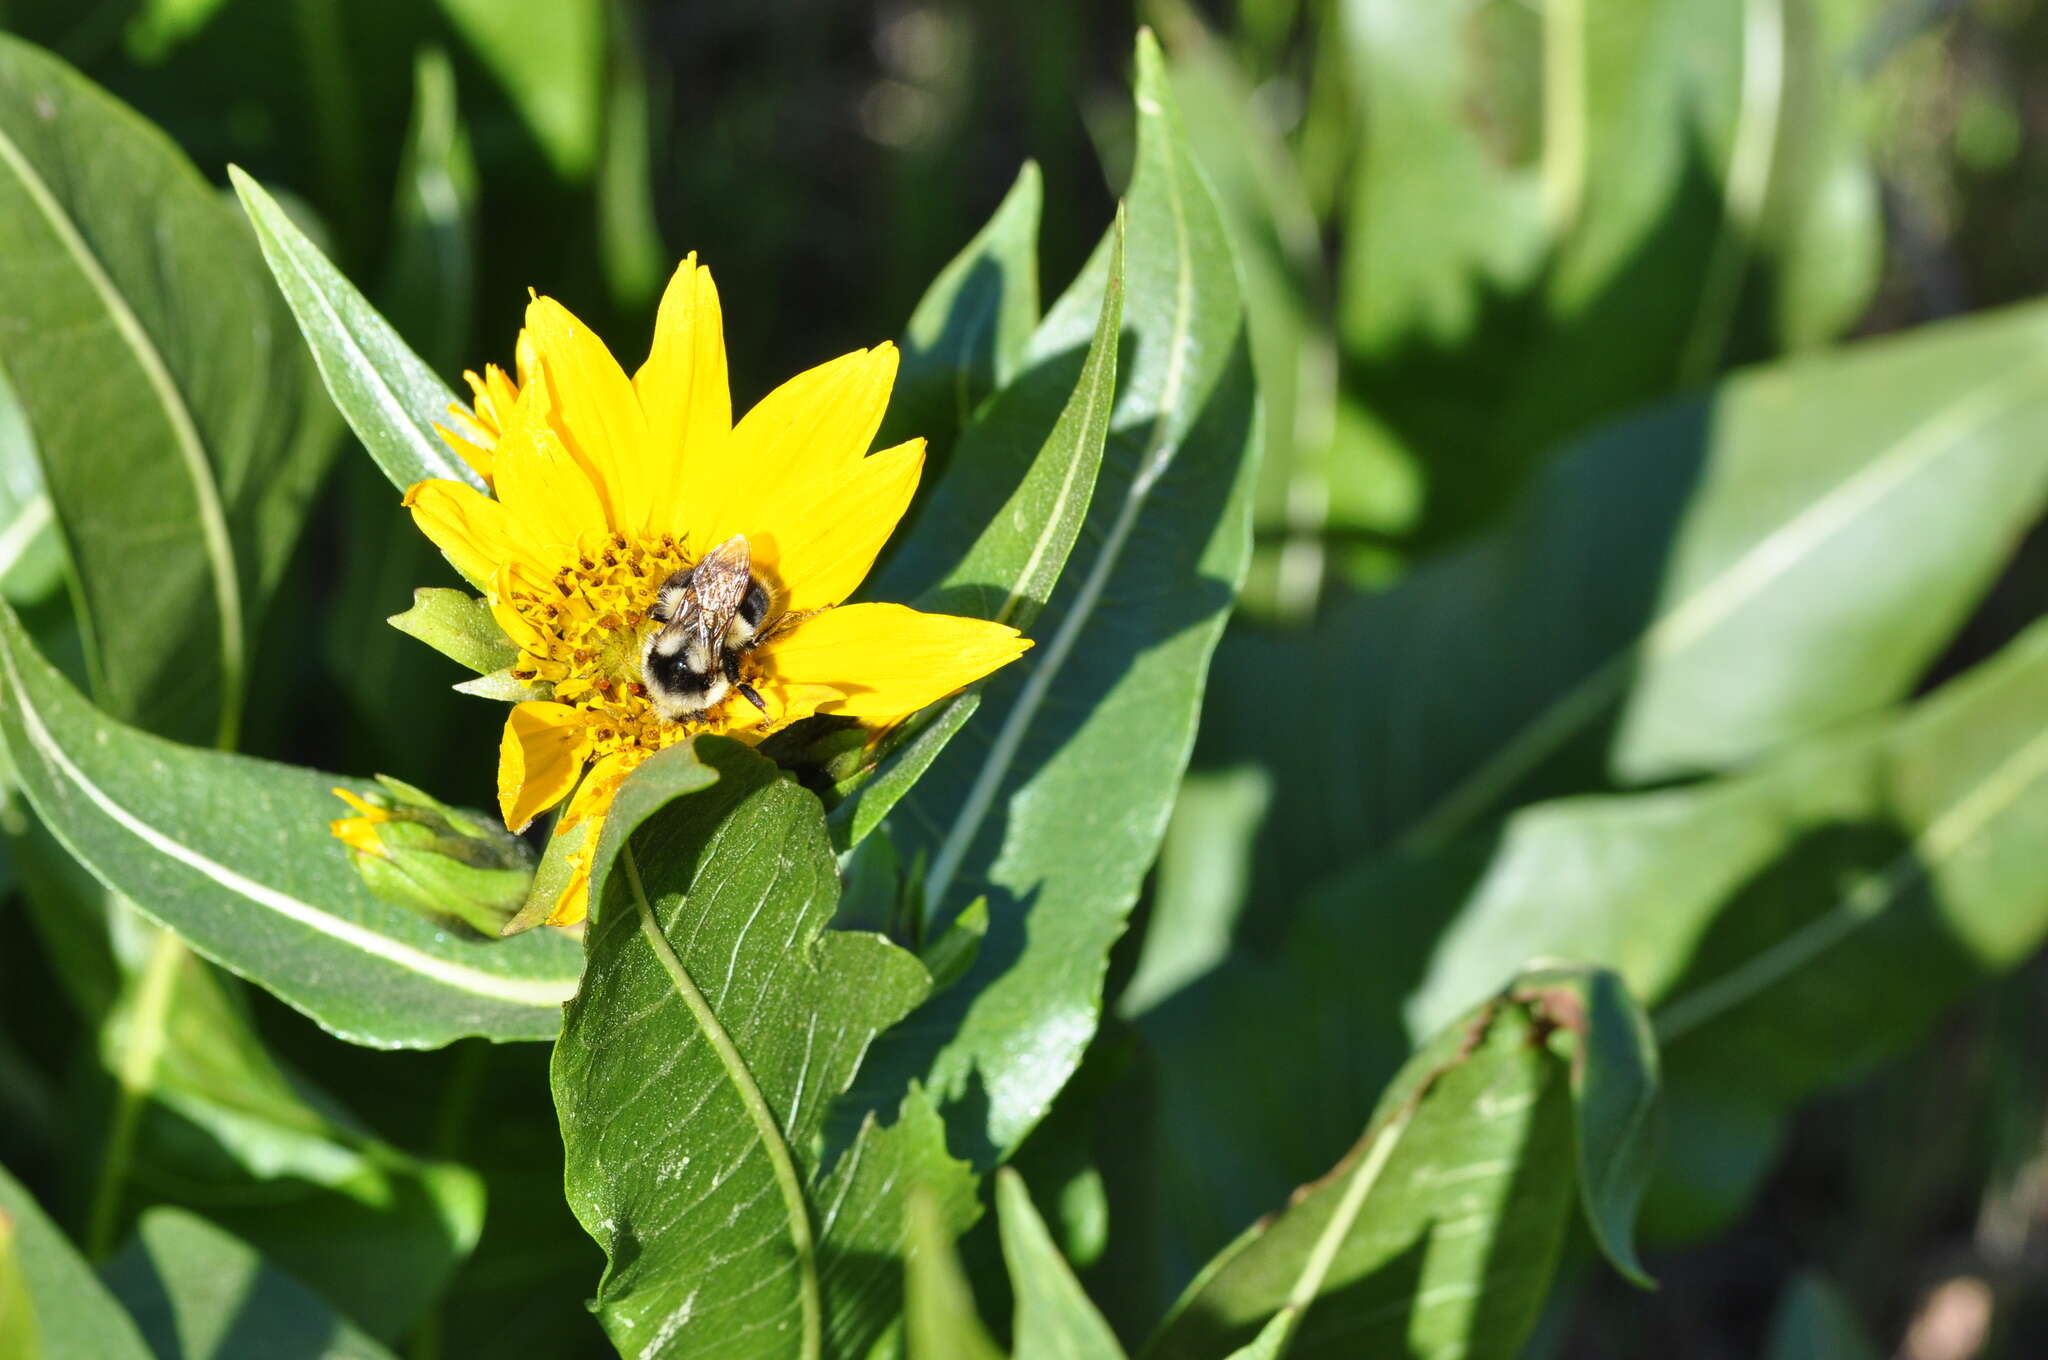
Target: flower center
{"points": [[591, 619]]}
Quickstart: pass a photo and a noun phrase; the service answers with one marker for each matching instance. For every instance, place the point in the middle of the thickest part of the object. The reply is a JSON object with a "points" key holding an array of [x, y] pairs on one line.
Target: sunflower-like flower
{"points": [[607, 488]]}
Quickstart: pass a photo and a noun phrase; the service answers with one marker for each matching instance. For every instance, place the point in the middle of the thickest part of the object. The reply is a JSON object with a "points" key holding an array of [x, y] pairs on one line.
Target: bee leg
{"points": [[747, 692]]}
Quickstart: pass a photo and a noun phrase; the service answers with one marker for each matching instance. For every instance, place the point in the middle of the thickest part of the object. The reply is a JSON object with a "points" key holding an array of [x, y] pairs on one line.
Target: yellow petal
{"points": [[552, 495], [594, 796], [817, 542], [888, 659], [808, 431], [358, 833], [684, 391], [475, 533], [538, 759], [594, 409], [574, 903]]}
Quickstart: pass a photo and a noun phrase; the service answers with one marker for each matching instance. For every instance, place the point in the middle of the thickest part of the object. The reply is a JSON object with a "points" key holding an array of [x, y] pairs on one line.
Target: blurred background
{"points": [[1453, 270]]}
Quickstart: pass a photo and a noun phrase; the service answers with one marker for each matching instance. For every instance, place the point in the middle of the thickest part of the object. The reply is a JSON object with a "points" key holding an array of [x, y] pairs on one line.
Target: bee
{"points": [[711, 614]]}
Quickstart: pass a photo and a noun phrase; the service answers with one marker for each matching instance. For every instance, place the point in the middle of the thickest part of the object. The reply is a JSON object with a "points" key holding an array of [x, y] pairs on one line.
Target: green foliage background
{"points": [[1533, 778]]}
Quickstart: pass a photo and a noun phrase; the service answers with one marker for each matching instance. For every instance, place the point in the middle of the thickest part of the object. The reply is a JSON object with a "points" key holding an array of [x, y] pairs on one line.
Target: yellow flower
{"points": [[604, 486], [358, 832]]}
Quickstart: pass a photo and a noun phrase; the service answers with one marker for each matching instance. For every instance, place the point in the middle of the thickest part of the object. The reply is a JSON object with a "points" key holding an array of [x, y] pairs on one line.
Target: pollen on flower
{"points": [[585, 626]]}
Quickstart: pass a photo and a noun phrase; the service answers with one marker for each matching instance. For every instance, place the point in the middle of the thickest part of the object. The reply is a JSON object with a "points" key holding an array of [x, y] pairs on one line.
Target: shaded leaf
{"points": [[1893, 859], [1814, 1322], [207, 864], [1680, 593], [1059, 817], [549, 58], [1437, 1234], [199, 1293], [940, 1322], [388, 395], [76, 1317], [695, 1071], [431, 278], [179, 433], [1054, 1320]]}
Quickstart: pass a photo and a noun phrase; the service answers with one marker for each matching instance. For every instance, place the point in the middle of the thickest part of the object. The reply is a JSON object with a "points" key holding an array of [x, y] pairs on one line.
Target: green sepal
{"points": [[506, 686], [458, 626]]}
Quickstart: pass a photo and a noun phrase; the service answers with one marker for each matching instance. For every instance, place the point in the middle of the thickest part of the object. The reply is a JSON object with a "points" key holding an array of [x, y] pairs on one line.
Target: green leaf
{"points": [[940, 1322], [180, 438], [1061, 814], [432, 272], [1892, 859], [221, 1128], [1613, 1058], [31, 558], [459, 626], [966, 338], [694, 1071], [998, 537], [202, 1294], [77, 1318], [240, 865], [548, 57], [1055, 1320], [1010, 566], [387, 393], [19, 1337], [1839, 516], [1814, 1322], [1436, 1235], [1540, 180]]}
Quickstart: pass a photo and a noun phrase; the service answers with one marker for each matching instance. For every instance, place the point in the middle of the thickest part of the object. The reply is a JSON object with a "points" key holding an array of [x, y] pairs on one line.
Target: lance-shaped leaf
{"points": [[75, 1317], [1439, 1232], [1000, 534], [694, 1071], [199, 1293], [429, 285], [939, 1320], [1058, 817], [178, 430], [1055, 1320], [1680, 593], [234, 855], [388, 395]]}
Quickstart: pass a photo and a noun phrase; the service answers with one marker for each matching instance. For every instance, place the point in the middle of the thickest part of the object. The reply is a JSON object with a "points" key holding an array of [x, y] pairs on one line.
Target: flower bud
{"points": [[417, 852]]}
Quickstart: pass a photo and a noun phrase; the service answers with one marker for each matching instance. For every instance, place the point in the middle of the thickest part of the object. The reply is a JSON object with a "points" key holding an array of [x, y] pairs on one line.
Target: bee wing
{"points": [[717, 585]]}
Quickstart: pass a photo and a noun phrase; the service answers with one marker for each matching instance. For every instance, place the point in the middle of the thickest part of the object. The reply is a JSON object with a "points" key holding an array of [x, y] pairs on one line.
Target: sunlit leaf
{"points": [[240, 864], [387, 393], [1056, 819], [696, 1067], [177, 429]]}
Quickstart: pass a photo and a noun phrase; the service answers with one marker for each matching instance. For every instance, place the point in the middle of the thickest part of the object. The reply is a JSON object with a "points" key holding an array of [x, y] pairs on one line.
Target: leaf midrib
{"points": [[283, 255], [1707, 607], [767, 1128], [1151, 466], [1936, 844], [537, 992], [184, 431]]}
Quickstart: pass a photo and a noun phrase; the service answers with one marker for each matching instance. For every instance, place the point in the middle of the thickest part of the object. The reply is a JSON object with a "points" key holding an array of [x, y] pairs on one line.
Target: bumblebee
{"points": [[711, 614]]}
